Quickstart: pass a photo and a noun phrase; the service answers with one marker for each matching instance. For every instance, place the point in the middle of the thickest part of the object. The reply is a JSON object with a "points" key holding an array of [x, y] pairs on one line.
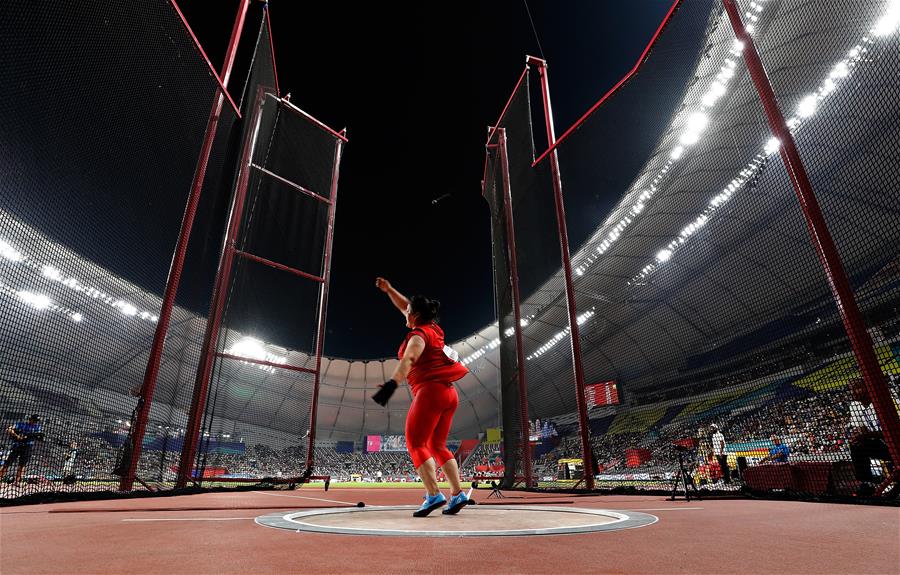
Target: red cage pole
{"points": [[587, 455], [177, 266], [517, 312], [233, 43], [213, 323], [612, 91], [323, 300], [202, 52], [854, 325], [492, 129]]}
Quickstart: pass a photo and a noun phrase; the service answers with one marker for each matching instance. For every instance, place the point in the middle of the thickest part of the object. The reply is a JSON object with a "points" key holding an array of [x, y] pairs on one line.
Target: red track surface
{"points": [[215, 533]]}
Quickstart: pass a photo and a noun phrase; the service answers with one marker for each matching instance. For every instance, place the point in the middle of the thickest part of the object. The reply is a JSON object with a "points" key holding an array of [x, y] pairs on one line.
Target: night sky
{"points": [[416, 87]]}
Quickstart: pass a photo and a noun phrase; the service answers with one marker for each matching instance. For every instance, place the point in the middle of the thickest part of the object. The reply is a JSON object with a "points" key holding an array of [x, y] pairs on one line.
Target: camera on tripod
{"points": [[683, 477]]}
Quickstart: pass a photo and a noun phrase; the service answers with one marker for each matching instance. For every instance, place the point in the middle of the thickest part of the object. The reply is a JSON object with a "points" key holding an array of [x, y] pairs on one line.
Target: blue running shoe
{"points": [[457, 502], [431, 503]]}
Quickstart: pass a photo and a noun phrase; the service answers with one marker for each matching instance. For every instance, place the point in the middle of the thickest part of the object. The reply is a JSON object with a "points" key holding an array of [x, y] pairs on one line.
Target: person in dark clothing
{"points": [[23, 434]]}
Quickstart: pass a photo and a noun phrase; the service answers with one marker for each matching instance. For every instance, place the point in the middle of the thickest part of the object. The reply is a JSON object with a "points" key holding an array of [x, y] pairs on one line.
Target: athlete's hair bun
{"points": [[426, 310]]}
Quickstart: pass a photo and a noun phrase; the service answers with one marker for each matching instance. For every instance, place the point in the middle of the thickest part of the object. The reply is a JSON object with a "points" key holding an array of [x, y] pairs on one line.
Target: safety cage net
{"points": [[116, 133], [714, 353]]}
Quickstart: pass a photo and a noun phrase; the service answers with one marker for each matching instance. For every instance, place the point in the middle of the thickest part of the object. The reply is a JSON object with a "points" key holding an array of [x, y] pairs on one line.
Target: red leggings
{"points": [[428, 423]]}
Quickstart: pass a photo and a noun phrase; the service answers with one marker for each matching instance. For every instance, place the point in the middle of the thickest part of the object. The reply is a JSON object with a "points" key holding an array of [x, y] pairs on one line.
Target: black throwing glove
{"points": [[382, 396]]}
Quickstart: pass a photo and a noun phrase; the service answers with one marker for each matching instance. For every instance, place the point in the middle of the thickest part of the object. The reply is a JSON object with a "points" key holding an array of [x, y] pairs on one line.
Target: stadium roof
{"points": [[707, 246], [674, 272]]}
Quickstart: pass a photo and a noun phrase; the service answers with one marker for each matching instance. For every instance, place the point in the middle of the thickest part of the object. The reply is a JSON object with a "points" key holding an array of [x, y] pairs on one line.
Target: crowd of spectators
{"points": [[374, 466], [814, 425]]}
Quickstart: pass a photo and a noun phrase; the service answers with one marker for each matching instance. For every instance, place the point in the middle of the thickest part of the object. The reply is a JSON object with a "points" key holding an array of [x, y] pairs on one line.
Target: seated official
{"points": [[778, 453]]}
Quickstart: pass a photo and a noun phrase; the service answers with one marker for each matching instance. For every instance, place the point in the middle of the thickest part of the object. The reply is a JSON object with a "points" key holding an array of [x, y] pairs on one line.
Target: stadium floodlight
{"points": [[772, 145], [125, 307], [10, 253], [248, 347], [890, 22], [689, 138], [807, 106], [696, 123], [663, 255], [717, 89], [677, 151], [840, 70], [52, 273], [585, 316], [37, 301], [77, 317]]}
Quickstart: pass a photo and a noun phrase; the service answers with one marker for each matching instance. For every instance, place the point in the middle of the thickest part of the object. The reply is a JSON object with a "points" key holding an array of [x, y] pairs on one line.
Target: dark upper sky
{"points": [[416, 87]]}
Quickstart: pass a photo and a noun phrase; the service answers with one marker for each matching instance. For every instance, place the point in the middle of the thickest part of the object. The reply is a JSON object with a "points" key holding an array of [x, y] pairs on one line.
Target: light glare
{"points": [[10, 253], [807, 106], [37, 301]]}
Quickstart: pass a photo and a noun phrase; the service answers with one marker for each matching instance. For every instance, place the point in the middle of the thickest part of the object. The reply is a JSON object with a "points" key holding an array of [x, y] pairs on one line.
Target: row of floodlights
{"points": [[693, 128], [696, 124], [806, 109], [39, 301]]}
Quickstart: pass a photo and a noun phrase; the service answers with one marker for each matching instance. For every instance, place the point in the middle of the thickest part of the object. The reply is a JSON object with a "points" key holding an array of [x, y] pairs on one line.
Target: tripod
{"points": [[496, 491], [683, 477]]}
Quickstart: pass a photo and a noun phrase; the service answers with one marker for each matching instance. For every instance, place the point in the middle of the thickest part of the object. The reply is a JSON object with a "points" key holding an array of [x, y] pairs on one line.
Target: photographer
{"points": [[23, 434]]}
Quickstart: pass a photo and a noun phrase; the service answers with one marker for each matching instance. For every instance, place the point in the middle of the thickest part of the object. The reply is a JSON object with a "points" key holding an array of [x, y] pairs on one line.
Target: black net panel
{"points": [[164, 435], [261, 69], [104, 114], [700, 294], [510, 417], [258, 415], [535, 244]]}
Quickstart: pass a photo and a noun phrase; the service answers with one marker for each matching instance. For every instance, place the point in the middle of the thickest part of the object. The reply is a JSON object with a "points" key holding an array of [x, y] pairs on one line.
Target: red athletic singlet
{"points": [[433, 366]]}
